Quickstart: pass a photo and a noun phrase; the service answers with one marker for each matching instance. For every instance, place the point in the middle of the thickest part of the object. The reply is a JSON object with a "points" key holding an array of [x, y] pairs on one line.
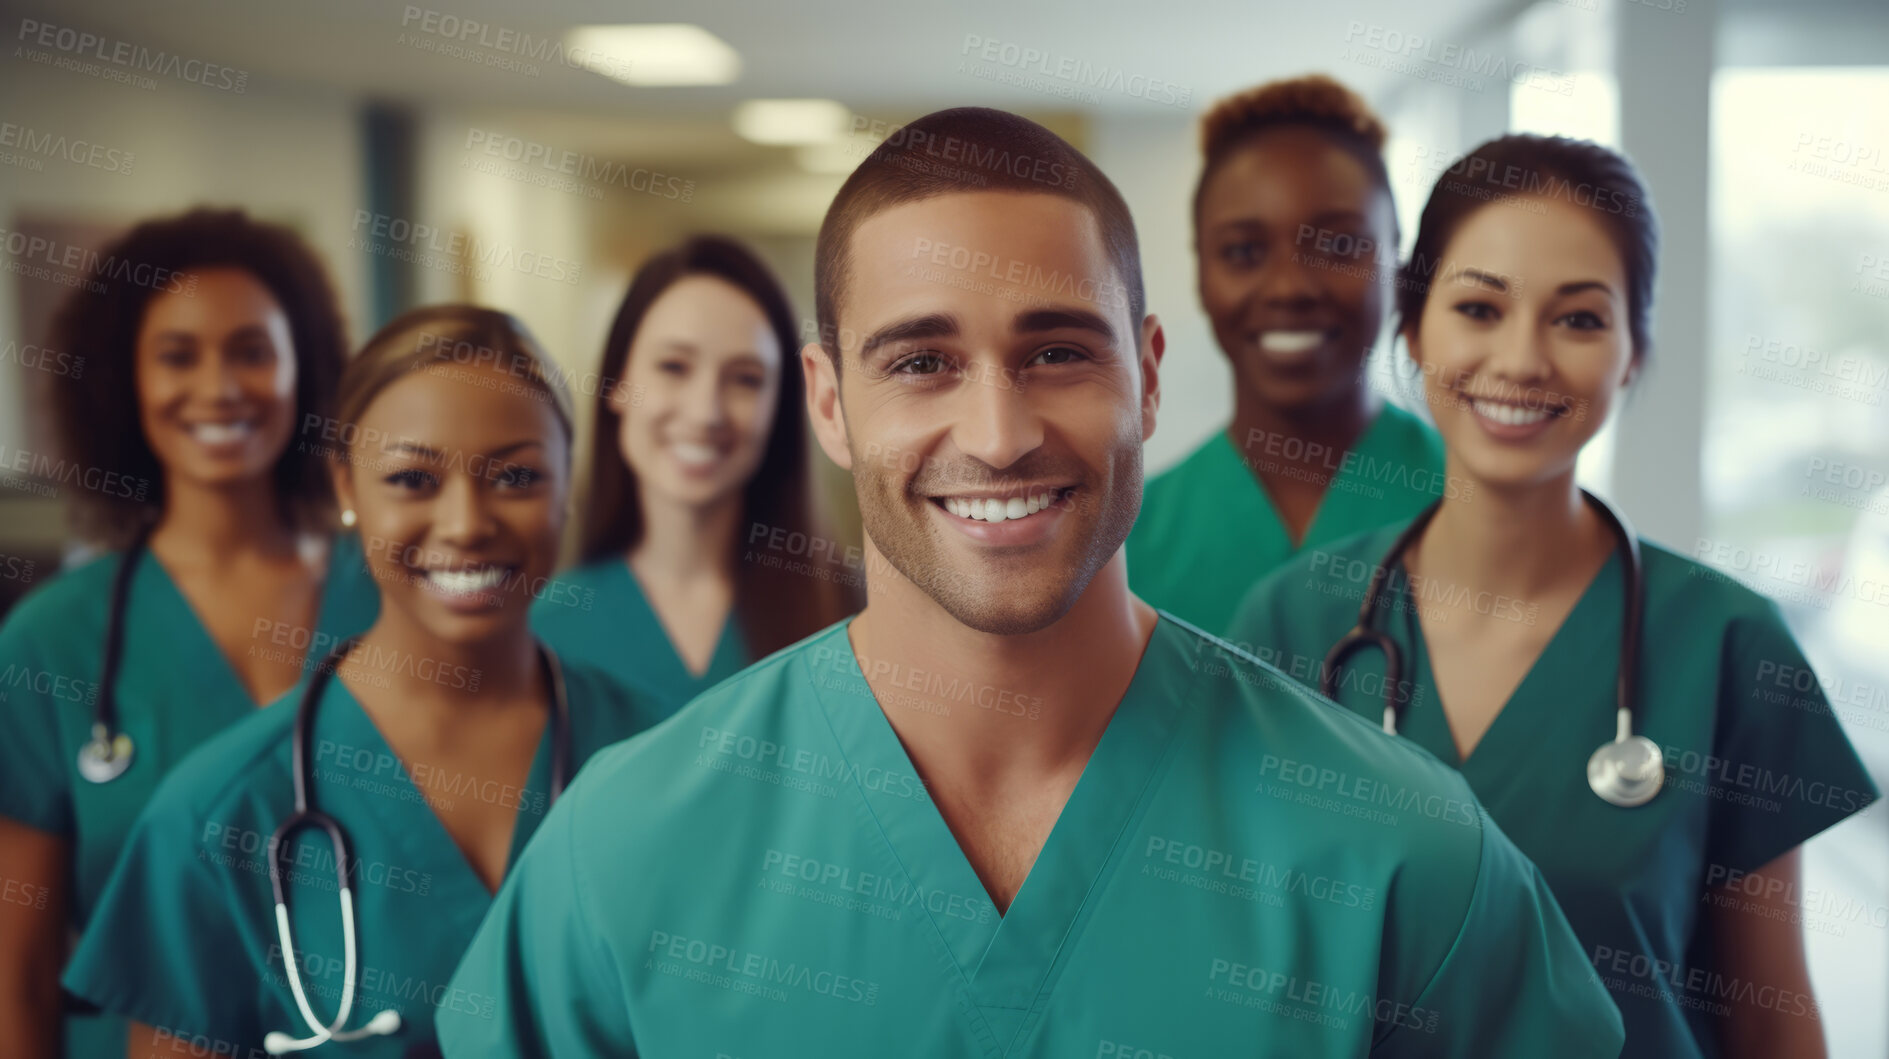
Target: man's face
{"points": [[993, 403]]}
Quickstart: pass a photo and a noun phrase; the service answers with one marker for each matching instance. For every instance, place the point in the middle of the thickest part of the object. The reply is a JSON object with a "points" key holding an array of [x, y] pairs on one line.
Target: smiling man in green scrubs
{"points": [[1009, 810]]}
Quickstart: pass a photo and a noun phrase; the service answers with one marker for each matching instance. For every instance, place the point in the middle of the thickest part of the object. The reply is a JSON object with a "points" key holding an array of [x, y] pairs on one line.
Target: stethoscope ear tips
{"points": [[1627, 772]]}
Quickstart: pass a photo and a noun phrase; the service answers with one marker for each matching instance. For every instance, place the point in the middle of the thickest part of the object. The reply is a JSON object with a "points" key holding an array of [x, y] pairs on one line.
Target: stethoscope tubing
{"points": [[1612, 777], [307, 815]]}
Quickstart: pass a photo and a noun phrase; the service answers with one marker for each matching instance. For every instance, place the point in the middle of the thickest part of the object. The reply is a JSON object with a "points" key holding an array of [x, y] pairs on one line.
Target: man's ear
{"points": [[1153, 346], [823, 404]]}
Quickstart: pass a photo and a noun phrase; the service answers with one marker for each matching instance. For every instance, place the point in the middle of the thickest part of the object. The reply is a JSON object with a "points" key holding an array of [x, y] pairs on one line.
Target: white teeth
{"points": [[221, 433], [1509, 414], [1290, 343], [694, 454], [466, 582], [999, 509]]}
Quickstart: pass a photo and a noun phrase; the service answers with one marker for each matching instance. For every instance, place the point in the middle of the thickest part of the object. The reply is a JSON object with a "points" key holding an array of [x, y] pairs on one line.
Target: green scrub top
{"points": [[174, 690], [597, 613], [1242, 869], [1755, 761], [1208, 531], [185, 939]]}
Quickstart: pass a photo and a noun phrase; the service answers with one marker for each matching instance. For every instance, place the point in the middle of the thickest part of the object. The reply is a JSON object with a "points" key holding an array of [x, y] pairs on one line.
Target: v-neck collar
{"points": [[1561, 664], [196, 650], [1382, 441], [674, 672], [404, 816], [1006, 962]]}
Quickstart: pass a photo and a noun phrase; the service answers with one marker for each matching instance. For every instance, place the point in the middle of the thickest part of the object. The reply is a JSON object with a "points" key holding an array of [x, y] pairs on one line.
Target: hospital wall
{"points": [[291, 156]]}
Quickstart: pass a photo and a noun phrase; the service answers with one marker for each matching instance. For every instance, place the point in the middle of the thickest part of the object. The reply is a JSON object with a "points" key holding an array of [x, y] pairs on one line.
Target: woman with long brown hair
{"points": [[698, 449]]}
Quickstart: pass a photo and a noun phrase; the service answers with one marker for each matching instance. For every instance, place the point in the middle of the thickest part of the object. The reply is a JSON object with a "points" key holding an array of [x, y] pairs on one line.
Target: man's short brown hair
{"points": [[967, 149]]}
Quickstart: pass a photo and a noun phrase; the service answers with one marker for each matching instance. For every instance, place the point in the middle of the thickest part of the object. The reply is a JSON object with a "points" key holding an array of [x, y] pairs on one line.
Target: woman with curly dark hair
{"points": [[700, 552], [191, 452]]}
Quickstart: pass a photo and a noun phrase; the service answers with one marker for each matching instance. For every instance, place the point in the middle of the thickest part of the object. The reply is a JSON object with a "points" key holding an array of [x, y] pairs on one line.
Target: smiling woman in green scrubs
{"points": [[1528, 322], [201, 364], [1295, 246], [432, 744], [698, 475], [1009, 809]]}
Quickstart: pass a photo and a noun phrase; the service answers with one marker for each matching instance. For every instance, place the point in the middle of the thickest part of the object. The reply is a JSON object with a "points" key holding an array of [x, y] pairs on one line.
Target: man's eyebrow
{"points": [[931, 325], [1061, 319]]}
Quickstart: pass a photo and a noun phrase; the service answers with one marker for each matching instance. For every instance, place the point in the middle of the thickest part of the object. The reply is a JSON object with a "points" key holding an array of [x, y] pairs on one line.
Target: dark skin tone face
{"points": [[1295, 246]]}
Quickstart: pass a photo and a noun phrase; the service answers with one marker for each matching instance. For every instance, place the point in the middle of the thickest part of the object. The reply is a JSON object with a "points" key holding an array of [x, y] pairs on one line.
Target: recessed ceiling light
{"points": [[656, 53], [791, 121], [841, 156]]}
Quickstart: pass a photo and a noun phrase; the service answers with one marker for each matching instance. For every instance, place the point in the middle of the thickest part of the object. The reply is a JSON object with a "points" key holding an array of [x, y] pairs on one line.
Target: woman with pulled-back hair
{"points": [[1295, 247], [1645, 729], [435, 740]]}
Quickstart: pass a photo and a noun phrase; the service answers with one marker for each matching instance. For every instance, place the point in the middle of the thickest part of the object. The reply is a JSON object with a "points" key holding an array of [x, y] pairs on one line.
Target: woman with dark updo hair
{"points": [[1295, 250], [1665, 800]]}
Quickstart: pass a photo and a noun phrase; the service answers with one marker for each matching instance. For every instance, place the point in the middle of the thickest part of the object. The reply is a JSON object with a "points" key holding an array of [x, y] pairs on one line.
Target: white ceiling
{"points": [[876, 56]]}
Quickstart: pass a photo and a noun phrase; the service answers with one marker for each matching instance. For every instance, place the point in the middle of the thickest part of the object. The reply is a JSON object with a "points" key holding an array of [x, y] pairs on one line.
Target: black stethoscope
{"points": [[107, 755], [1626, 771], [306, 815]]}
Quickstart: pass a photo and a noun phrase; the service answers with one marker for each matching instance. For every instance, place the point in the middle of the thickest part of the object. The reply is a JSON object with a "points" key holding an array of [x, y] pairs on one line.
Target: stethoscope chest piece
{"points": [[101, 760], [1627, 772]]}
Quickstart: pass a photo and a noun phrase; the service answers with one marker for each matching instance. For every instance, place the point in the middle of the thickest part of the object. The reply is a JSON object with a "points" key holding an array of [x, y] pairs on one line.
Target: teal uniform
{"points": [[1207, 530], [185, 939], [1755, 761], [174, 690], [597, 613], [1241, 870]]}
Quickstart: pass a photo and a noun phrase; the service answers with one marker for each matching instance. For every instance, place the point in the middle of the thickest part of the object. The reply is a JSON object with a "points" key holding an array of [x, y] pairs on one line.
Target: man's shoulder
{"points": [[747, 718], [1301, 745]]}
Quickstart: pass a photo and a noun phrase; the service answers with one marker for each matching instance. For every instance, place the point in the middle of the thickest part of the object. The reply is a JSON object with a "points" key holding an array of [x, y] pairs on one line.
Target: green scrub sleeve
{"points": [[541, 957], [166, 944], [1514, 983], [1781, 769], [35, 776]]}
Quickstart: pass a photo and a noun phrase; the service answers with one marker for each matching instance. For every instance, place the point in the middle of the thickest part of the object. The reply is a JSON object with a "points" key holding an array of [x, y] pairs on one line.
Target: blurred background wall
{"points": [[543, 161]]}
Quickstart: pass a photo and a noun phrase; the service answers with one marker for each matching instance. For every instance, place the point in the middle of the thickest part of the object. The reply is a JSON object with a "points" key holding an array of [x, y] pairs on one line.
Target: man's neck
{"points": [[1000, 727], [988, 709]]}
